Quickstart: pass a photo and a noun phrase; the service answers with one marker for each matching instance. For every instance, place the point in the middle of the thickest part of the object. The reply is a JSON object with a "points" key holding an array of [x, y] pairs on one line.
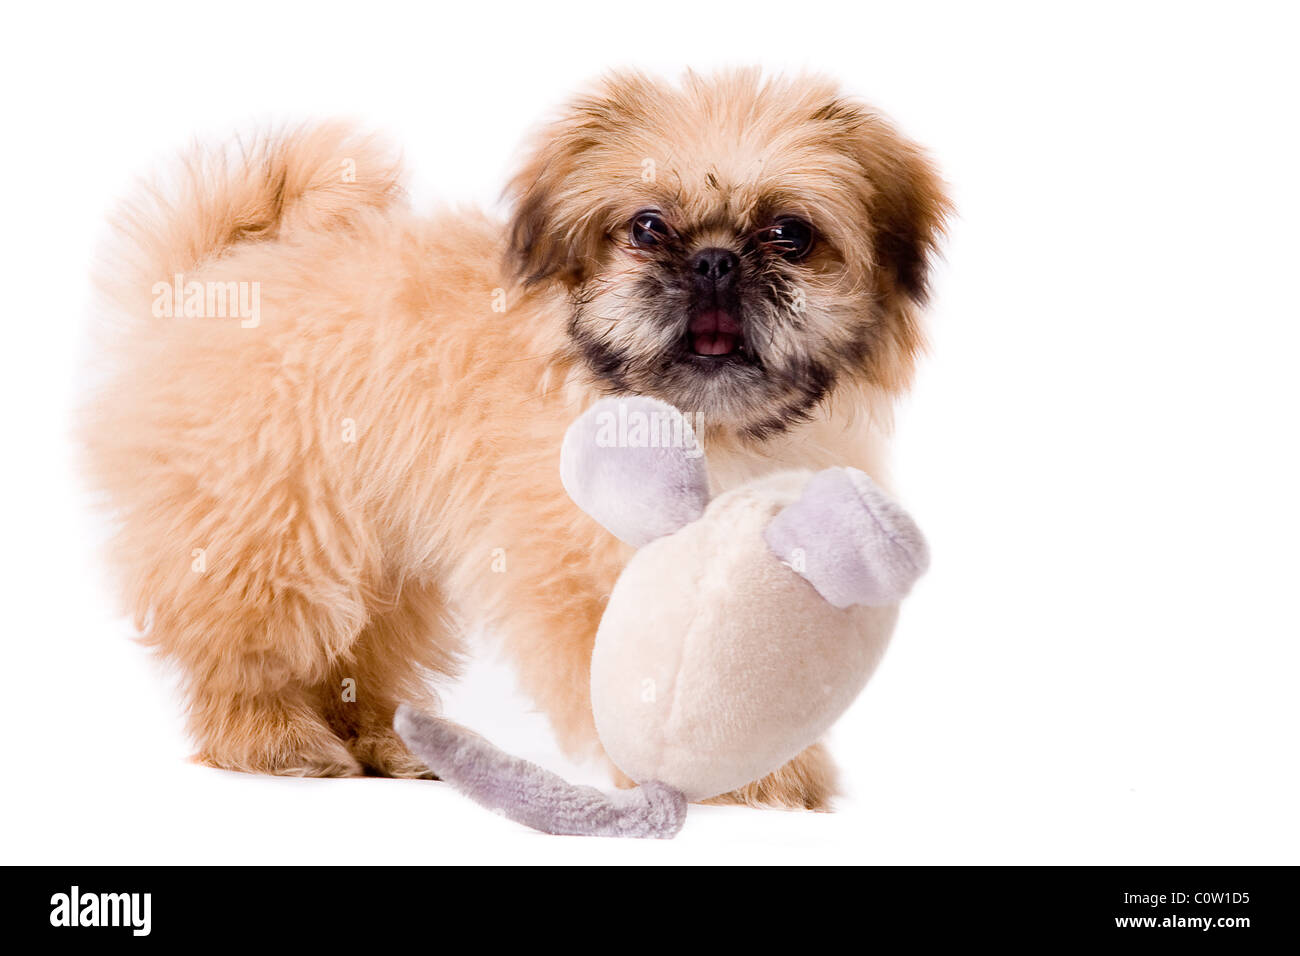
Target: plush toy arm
{"points": [[530, 795], [849, 540]]}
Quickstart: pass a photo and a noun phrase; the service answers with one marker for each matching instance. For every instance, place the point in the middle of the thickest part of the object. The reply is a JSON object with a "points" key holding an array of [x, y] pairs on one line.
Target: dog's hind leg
{"points": [[255, 617], [253, 705], [398, 651]]}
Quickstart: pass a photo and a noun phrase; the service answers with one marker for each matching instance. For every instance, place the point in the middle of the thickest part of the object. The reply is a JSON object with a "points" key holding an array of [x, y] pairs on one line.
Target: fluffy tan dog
{"points": [[328, 428]]}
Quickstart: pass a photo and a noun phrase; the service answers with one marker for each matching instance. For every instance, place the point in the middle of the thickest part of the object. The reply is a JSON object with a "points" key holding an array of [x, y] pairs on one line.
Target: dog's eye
{"points": [[789, 237], [649, 229]]}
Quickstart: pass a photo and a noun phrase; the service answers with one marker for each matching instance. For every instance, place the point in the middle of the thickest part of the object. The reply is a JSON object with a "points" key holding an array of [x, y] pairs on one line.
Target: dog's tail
{"points": [[526, 793], [307, 178]]}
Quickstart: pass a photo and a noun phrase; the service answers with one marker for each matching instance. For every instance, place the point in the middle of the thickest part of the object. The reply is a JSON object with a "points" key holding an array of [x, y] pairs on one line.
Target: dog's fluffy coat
{"points": [[339, 492]]}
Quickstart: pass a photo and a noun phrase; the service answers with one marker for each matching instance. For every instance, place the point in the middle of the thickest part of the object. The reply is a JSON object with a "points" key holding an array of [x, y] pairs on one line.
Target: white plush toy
{"points": [[736, 635]]}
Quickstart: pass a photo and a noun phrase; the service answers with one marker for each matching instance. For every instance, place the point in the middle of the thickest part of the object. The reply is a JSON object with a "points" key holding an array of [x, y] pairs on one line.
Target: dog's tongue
{"points": [[714, 332]]}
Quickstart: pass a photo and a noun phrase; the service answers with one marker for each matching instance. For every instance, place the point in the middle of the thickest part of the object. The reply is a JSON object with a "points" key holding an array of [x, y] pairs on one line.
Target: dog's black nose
{"points": [[714, 268]]}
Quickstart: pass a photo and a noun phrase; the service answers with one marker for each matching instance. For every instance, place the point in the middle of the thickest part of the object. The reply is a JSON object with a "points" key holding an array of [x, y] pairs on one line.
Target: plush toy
{"points": [[737, 634]]}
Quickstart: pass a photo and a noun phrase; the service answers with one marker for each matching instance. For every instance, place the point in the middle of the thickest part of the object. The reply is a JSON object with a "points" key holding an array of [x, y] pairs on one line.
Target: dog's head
{"points": [[734, 246]]}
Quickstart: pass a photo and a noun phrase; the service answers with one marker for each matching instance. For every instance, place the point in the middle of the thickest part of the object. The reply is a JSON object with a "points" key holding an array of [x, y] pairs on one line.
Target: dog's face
{"points": [[735, 247]]}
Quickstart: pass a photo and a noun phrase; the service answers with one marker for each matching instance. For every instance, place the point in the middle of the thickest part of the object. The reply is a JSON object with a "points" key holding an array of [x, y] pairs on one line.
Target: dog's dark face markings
{"points": [[737, 248]]}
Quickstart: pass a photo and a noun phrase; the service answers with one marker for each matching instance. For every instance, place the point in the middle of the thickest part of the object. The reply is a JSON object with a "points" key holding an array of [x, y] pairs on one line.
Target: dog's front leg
{"points": [[808, 782]]}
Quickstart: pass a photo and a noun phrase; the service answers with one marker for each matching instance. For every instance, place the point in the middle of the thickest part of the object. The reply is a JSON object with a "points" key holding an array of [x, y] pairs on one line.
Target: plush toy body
{"points": [[736, 635]]}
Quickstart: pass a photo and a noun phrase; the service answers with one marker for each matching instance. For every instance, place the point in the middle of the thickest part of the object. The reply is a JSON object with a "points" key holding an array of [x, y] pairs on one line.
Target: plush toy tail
{"points": [[527, 794]]}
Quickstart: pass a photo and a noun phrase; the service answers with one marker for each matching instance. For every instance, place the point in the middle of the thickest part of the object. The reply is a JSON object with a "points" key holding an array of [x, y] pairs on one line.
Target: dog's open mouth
{"points": [[716, 333]]}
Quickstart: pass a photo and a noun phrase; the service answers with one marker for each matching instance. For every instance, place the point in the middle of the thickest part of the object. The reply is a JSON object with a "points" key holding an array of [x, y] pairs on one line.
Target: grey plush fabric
{"points": [[634, 465], [849, 540], [530, 795]]}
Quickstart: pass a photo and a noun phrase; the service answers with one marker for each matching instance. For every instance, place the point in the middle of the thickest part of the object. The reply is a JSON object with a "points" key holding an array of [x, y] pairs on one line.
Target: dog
{"points": [[327, 428]]}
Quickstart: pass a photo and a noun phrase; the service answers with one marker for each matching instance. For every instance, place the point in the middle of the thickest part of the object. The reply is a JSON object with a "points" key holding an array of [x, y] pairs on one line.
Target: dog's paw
{"points": [[383, 754], [272, 736], [808, 782], [328, 762]]}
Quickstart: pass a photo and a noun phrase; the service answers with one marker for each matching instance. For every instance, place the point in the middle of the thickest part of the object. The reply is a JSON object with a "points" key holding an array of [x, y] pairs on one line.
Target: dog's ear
{"points": [[542, 241], [906, 200], [634, 465], [557, 226]]}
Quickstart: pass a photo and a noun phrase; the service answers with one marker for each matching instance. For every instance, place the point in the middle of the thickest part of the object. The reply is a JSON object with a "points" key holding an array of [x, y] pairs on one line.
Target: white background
{"points": [[1101, 666]]}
